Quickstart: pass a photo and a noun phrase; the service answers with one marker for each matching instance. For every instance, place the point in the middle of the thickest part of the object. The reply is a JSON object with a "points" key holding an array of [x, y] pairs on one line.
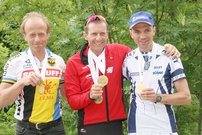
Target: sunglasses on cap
{"points": [[95, 18]]}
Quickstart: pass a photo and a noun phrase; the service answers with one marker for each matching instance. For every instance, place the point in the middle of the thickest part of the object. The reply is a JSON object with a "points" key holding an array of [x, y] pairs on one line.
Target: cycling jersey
{"points": [[78, 82], [31, 105], [146, 117]]}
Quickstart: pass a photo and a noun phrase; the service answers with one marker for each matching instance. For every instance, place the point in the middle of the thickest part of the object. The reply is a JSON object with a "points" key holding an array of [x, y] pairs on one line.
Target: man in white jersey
{"points": [[152, 77], [33, 79]]}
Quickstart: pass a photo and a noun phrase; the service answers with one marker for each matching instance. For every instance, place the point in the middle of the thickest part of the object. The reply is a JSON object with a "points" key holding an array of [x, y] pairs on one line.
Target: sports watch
{"points": [[158, 98]]}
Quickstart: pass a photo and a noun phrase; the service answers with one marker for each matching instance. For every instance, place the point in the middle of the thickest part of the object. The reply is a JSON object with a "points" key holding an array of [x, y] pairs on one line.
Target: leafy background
{"points": [[177, 22]]}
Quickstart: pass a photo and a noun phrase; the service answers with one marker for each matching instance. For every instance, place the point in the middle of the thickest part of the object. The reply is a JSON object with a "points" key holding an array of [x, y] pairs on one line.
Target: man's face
{"points": [[142, 34], [96, 36], [36, 33]]}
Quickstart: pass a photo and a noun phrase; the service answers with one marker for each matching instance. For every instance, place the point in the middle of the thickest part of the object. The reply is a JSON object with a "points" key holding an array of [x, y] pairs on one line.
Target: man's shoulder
{"points": [[75, 57], [118, 48], [17, 57], [160, 48], [53, 56], [132, 53]]}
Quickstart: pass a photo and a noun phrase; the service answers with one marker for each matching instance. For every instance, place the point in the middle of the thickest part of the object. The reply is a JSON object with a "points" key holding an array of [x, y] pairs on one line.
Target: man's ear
{"points": [[131, 34], [85, 35], [154, 28], [24, 35]]}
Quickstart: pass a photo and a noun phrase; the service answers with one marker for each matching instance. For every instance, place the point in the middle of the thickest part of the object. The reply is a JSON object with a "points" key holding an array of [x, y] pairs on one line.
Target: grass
{"points": [[6, 130]]}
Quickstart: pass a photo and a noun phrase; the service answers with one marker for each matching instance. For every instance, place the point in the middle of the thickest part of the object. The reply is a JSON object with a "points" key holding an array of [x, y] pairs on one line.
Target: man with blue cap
{"points": [[152, 76]]}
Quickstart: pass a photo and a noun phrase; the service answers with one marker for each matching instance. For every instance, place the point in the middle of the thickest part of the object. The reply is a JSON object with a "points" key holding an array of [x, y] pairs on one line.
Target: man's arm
{"points": [[76, 98], [181, 97], [9, 92], [62, 90]]}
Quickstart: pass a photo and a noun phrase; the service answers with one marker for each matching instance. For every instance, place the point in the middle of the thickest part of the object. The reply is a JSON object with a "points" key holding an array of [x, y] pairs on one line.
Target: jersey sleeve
{"points": [[125, 71], [62, 67], [75, 97], [9, 75], [177, 70]]}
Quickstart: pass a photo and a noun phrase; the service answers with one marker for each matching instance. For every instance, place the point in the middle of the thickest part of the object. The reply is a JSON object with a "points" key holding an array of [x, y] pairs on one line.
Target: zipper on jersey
{"points": [[107, 106]]}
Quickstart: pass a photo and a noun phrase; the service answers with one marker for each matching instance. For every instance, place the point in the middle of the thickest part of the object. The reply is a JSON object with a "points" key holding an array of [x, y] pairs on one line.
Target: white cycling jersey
{"points": [[31, 105], [145, 117]]}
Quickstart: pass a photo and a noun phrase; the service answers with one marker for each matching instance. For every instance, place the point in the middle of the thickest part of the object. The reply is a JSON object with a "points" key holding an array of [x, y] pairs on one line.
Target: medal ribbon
{"points": [[146, 75], [36, 69], [141, 62], [95, 64]]}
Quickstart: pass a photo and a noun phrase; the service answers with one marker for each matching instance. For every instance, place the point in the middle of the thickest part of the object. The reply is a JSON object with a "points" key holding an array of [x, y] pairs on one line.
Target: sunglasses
{"points": [[95, 18]]}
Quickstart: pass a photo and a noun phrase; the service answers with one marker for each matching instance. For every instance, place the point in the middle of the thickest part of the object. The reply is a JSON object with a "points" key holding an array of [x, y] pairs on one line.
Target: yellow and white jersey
{"points": [[31, 105]]}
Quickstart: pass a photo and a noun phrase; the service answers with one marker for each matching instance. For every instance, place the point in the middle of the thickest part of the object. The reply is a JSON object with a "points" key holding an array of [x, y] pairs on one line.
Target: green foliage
{"points": [[4, 56], [187, 117], [69, 118], [177, 22], [7, 124]]}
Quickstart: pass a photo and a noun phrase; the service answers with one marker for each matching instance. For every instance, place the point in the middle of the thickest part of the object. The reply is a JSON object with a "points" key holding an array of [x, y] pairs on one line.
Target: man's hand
{"points": [[171, 50], [148, 94], [33, 80], [96, 91]]}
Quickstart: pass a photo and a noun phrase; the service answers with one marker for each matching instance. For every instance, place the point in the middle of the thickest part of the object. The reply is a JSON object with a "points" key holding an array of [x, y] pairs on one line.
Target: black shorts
{"points": [[107, 128]]}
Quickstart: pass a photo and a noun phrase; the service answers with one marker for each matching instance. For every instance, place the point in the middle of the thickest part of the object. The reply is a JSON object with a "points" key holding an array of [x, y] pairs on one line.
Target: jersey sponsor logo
{"points": [[157, 72], [88, 76], [18, 110], [53, 73], [134, 74], [175, 60], [110, 69], [49, 90], [19, 103], [28, 61], [27, 64], [49, 72], [48, 86], [46, 97], [51, 61], [16, 56], [158, 67], [5, 69]]}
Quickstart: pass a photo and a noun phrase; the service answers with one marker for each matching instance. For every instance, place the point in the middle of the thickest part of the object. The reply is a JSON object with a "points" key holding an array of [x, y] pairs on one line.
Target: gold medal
{"points": [[139, 87], [41, 89], [103, 80]]}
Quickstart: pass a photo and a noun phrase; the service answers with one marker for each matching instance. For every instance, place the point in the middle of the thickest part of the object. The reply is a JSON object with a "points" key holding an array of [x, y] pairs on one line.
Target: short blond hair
{"points": [[34, 14]]}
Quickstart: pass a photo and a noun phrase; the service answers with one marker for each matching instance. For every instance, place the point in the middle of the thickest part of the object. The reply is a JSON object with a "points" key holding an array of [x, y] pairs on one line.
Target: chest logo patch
{"points": [[51, 61]]}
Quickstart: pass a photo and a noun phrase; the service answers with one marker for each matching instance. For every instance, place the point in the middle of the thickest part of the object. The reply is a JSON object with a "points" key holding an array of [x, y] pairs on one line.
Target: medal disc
{"points": [[146, 65], [99, 100], [102, 80], [139, 88], [41, 89]]}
